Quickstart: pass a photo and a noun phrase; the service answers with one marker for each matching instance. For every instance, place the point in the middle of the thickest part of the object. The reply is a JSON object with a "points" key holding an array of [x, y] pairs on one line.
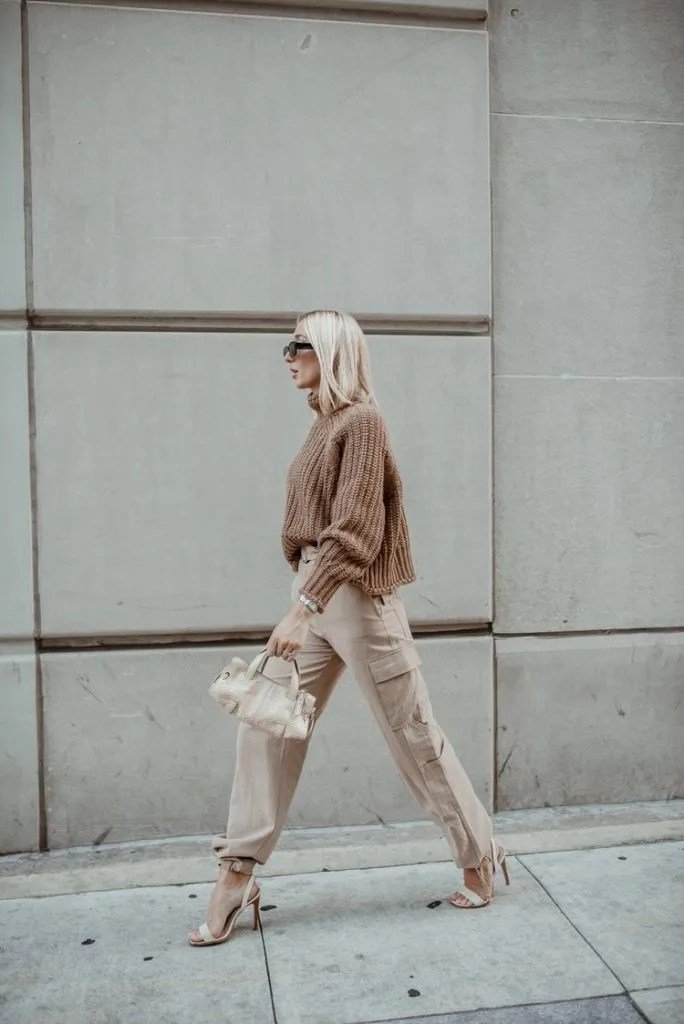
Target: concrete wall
{"points": [[19, 734], [223, 189], [178, 184], [587, 145], [191, 171]]}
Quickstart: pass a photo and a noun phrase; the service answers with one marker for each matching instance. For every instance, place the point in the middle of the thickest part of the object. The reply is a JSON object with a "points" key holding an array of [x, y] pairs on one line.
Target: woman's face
{"points": [[303, 367]]}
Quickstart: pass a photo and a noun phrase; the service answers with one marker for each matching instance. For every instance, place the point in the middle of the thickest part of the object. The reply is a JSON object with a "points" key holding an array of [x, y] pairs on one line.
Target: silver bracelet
{"points": [[311, 605]]}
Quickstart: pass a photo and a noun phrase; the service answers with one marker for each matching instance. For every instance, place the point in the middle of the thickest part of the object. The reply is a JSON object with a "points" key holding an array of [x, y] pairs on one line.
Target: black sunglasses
{"points": [[293, 346]]}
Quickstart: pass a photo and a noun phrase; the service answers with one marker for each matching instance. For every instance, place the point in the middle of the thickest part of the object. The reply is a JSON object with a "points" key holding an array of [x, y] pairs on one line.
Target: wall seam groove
{"points": [[33, 483], [26, 150], [586, 117], [608, 632], [30, 384], [492, 449], [168, 641], [249, 321], [71, 645], [586, 376], [416, 14]]}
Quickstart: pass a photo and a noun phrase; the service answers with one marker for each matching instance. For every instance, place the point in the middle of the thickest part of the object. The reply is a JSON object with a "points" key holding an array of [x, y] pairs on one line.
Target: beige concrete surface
{"points": [[12, 258], [312, 115], [136, 748], [587, 484], [305, 850], [615, 718], [617, 59], [19, 783], [110, 959], [351, 947], [16, 548], [359, 946], [167, 518], [587, 232], [661, 1005], [628, 902]]}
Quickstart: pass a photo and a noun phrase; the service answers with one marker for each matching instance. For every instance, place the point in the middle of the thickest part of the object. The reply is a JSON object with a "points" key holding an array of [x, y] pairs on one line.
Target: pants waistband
{"points": [[308, 551]]}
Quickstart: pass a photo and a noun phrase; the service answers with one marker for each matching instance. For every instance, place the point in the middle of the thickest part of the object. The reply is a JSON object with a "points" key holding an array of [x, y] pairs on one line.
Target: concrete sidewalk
{"points": [[581, 936]]}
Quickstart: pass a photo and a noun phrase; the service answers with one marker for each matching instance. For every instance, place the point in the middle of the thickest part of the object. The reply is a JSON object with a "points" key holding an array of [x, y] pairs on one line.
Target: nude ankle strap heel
{"points": [[249, 899], [498, 859]]}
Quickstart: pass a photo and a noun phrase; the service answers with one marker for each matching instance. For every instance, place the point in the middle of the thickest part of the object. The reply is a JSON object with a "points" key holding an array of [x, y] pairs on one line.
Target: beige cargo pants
{"points": [[371, 637]]}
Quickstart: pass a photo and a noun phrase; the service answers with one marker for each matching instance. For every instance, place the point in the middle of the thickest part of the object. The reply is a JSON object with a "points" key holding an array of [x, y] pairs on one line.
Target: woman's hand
{"points": [[287, 639]]}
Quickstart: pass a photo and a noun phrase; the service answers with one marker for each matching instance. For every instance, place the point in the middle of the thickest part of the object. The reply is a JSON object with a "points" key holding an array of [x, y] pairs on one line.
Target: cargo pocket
{"points": [[397, 680], [425, 737], [438, 765]]}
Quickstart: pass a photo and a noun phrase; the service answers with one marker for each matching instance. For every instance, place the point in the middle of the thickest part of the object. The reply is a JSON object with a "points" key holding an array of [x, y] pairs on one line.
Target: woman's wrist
{"points": [[302, 611]]}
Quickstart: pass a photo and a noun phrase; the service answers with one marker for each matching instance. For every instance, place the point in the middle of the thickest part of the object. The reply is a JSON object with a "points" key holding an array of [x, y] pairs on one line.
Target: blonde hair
{"points": [[343, 358]]}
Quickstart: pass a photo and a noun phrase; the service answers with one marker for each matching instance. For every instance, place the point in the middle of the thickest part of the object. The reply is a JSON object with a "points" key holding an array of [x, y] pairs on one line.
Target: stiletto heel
{"points": [[248, 900], [498, 859], [504, 868]]}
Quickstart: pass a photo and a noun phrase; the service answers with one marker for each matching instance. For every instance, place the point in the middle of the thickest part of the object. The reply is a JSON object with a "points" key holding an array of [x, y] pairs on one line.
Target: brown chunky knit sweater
{"points": [[344, 493]]}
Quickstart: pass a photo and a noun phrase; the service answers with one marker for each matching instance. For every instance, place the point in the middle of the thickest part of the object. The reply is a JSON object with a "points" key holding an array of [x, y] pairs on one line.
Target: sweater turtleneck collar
{"points": [[313, 398]]}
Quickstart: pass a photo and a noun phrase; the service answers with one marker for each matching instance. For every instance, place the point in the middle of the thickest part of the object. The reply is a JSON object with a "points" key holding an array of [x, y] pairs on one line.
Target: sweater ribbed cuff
{"points": [[404, 564], [320, 586]]}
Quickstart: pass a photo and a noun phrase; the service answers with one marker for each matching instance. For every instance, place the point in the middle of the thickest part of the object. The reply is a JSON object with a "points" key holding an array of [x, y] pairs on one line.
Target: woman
{"points": [[346, 537]]}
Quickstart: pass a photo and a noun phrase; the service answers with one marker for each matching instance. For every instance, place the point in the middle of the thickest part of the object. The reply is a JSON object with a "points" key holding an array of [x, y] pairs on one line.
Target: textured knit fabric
{"points": [[344, 494]]}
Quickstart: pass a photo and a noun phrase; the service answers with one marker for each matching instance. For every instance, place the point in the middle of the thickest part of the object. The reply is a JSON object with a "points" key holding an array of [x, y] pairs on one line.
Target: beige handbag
{"points": [[283, 710]]}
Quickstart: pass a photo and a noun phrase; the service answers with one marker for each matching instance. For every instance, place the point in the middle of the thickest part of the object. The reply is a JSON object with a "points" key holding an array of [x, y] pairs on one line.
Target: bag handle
{"points": [[257, 665]]}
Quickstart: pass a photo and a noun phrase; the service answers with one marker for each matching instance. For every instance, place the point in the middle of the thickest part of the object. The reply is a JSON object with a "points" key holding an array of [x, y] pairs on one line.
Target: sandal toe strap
{"points": [[205, 933], [473, 897]]}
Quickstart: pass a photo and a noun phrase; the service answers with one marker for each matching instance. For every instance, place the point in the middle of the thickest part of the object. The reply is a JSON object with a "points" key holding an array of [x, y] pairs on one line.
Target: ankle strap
{"points": [[247, 894], [238, 866]]}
